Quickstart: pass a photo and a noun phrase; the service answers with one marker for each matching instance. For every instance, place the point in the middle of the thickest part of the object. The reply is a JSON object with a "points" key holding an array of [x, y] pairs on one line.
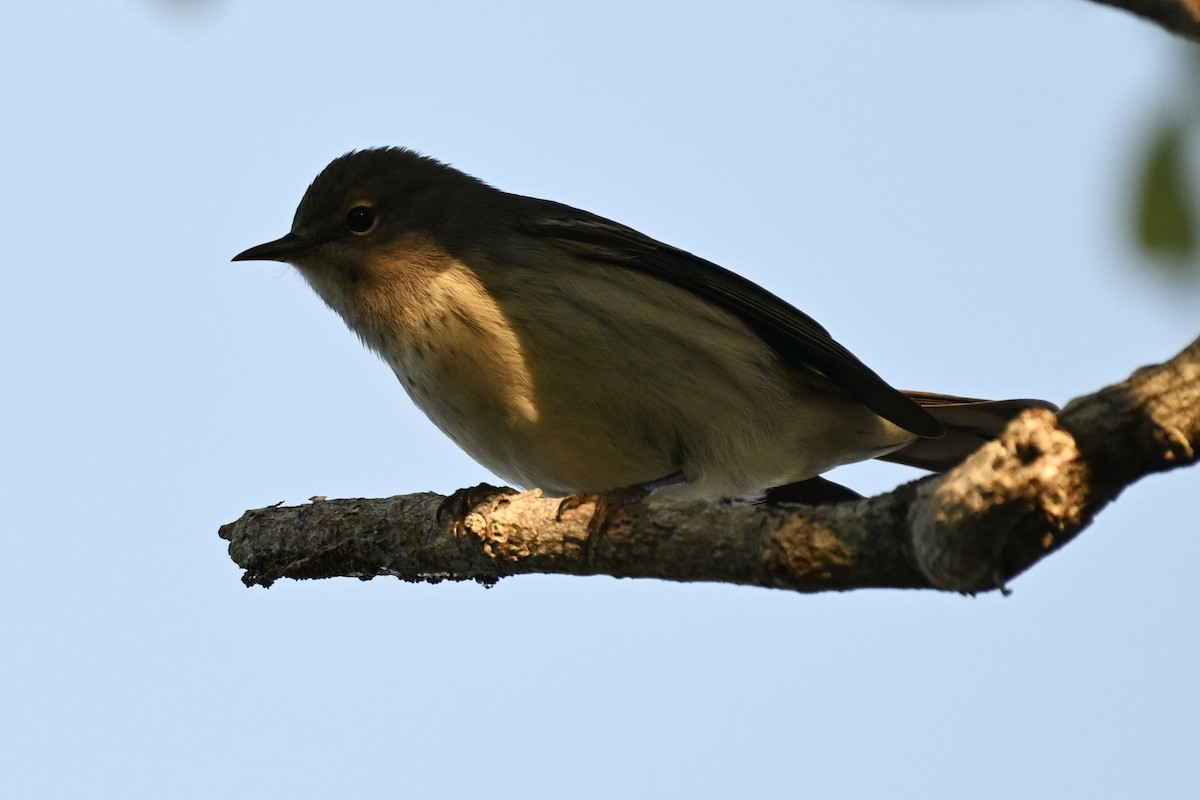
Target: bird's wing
{"points": [[794, 335]]}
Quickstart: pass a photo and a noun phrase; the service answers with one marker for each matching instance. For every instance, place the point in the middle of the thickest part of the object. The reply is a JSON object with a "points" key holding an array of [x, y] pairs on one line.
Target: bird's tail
{"points": [[969, 423]]}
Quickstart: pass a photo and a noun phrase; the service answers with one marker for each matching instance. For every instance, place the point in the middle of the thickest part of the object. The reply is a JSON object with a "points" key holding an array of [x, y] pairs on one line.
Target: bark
{"points": [[1016, 500]]}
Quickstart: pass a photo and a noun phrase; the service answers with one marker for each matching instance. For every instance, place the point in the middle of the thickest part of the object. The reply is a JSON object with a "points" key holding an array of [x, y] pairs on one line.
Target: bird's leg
{"points": [[608, 502]]}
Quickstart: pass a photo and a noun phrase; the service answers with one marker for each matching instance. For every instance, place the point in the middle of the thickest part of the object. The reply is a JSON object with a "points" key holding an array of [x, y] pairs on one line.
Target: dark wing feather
{"points": [[794, 335]]}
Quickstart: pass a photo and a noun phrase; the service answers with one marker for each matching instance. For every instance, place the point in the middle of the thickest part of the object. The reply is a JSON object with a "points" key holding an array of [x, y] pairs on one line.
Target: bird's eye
{"points": [[360, 219]]}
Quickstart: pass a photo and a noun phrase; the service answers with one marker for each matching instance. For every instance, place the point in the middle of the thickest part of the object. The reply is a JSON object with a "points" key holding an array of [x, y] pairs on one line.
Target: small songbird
{"points": [[567, 352]]}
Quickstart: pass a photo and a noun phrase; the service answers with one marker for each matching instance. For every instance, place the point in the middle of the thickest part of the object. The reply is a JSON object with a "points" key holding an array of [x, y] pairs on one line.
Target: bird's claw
{"points": [[606, 505], [455, 508]]}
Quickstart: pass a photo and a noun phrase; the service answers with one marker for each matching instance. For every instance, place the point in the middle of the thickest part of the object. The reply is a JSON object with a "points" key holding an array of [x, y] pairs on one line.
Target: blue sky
{"points": [[943, 186]]}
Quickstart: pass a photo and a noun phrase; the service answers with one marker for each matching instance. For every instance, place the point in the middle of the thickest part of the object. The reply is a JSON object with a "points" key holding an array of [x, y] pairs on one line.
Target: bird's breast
{"points": [[457, 355]]}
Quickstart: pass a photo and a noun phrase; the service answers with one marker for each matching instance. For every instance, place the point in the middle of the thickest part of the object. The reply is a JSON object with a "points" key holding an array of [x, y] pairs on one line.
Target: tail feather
{"points": [[969, 423]]}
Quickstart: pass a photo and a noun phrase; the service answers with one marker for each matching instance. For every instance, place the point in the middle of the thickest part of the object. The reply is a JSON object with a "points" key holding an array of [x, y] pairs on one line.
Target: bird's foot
{"points": [[607, 505], [455, 508]]}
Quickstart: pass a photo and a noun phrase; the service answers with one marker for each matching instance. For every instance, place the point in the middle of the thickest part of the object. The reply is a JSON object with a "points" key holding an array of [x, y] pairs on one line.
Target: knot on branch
{"points": [[1019, 487]]}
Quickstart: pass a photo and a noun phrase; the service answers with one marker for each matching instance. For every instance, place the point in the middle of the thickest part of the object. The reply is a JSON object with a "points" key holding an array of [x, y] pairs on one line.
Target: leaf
{"points": [[1166, 219]]}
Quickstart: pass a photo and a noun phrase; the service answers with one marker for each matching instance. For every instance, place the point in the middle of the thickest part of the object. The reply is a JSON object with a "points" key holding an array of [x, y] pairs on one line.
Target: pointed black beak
{"points": [[282, 249]]}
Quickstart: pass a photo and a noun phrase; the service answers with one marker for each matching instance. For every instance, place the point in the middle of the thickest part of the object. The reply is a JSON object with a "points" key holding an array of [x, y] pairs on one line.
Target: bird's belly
{"points": [[630, 381]]}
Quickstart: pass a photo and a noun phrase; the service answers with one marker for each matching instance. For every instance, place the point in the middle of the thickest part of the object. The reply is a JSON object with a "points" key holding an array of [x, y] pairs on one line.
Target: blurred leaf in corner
{"points": [[1166, 211]]}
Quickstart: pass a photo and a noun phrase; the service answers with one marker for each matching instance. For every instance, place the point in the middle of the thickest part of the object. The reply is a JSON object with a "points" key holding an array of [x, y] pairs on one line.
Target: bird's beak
{"points": [[285, 248]]}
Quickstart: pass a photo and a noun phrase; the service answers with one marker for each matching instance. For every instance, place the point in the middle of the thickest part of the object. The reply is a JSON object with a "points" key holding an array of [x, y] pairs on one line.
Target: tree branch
{"points": [[1011, 503], [1177, 16]]}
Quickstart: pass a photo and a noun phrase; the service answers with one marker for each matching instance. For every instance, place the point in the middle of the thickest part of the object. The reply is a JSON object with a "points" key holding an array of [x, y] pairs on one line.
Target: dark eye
{"points": [[360, 219]]}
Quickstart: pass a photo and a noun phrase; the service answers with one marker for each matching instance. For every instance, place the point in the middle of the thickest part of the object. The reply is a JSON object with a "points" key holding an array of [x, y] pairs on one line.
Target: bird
{"points": [[570, 353]]}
